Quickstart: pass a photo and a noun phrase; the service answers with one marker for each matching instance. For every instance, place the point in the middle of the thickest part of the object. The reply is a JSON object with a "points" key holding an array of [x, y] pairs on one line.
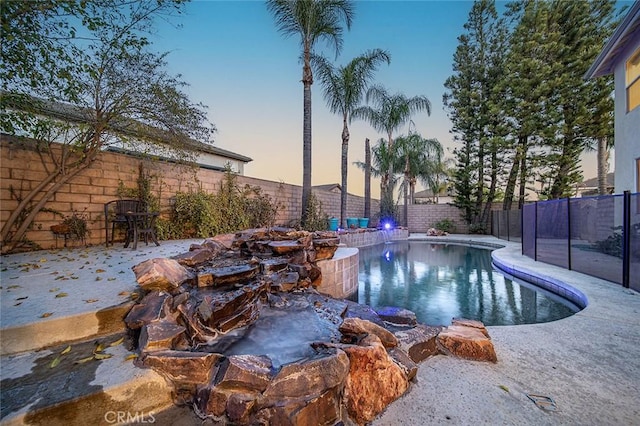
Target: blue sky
{"points": [[248, 74]]}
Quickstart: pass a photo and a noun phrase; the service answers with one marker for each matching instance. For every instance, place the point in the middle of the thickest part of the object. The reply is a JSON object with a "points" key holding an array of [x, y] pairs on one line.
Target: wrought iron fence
{"points": [[598, 236]]}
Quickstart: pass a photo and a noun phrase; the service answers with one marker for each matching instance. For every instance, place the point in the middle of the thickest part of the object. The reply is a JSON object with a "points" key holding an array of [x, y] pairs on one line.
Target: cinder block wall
{"points": [[88, 191], [424, 216]]}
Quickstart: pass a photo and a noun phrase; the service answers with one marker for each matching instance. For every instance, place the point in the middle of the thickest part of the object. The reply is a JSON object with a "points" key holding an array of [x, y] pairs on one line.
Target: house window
{"points": [[633, 81]]}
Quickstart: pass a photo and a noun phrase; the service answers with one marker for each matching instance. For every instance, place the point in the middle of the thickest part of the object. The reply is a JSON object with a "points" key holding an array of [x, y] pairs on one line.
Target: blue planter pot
{"points": [[333, 224], [363, 222]]}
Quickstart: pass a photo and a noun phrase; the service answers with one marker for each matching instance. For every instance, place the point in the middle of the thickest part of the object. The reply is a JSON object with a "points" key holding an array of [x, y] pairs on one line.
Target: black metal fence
{"points": [[598, 236]]}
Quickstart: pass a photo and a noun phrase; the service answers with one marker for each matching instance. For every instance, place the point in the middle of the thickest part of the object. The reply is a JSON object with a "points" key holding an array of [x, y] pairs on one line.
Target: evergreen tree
{"points": [[474, 99]]}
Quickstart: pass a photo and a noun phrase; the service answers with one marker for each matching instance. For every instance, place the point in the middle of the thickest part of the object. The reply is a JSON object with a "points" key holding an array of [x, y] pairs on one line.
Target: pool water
{"points": [[443, 281]]}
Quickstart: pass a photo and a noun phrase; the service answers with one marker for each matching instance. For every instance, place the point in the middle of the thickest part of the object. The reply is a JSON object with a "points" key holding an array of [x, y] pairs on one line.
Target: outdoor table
{"points": [[140, 225]]}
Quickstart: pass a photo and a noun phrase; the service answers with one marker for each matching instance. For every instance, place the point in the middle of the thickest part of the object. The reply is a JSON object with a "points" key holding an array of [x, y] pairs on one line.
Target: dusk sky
{"points": [[248, 74]]}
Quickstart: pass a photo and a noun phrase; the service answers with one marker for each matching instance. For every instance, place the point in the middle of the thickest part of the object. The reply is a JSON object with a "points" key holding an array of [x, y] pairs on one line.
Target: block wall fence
{"points": [[21, 169]]}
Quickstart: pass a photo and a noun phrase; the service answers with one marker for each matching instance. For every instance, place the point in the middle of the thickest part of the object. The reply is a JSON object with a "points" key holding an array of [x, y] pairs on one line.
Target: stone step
{"points": [[58, 329], [38, 390]]}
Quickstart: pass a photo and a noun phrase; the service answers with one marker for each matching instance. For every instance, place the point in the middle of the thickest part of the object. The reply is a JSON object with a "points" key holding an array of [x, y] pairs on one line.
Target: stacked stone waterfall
{"points": [[196, 306]]}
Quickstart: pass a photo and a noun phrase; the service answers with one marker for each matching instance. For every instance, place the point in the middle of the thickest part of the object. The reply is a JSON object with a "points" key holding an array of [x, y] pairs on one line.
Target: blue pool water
{"points": [[443, 281]]}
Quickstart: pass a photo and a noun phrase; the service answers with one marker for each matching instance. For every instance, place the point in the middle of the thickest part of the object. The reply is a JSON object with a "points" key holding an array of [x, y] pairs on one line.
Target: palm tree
{"points": [[390, 113], [381, 160], [343, 89], [312, 20], [418, 159]]}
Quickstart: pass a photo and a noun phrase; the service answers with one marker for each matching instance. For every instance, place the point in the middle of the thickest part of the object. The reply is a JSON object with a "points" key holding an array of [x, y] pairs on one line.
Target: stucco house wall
{"points": [[627, 127]]}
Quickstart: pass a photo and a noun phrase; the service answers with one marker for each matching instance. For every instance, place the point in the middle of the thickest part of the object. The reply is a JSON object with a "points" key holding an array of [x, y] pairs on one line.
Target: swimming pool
{"points": [[443, 281]]}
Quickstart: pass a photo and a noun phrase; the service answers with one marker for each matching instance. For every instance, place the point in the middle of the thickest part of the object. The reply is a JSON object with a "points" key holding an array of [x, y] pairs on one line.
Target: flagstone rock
{"points": [[419, 342], [470, 323], [153, 307], [397, 315], [322, 410], [224, 240], [360, 327], [285, 246], [466, 342], [160, 335], [194, 257], [310, 376], [209, 277], [182, 367], [374, 380], [161, 274], [250, 372], [406, 364]]}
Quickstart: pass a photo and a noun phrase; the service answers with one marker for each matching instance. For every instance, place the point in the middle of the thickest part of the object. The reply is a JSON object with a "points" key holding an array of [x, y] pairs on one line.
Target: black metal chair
{"points": [[114, 212]]}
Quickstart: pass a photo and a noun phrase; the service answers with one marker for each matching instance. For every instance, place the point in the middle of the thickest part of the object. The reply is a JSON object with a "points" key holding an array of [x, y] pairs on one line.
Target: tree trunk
{"points": [[367, 178], [523, 177], [345, 152], [513, 174], [492, 186], [307, 81], [389, 186], [406, 192], [603, 166], [16, 238]]}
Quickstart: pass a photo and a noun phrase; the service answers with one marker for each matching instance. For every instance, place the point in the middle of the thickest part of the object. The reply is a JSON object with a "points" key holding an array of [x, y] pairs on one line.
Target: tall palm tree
{"points": [[390, 112], [417, 158], [343, 89], [381, 160], [312, 20]]}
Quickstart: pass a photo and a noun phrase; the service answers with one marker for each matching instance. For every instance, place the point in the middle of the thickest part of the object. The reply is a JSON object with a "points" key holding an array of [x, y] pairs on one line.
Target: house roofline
{"points": [[603, 64]]}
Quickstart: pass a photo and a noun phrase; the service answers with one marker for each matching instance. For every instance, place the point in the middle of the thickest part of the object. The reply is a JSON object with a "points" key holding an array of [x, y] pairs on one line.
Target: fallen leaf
{"points": [[46, 315], [99, 271], [22, 298], [18, 304], [504, 388], [102, 356], [111, 279], [66, 351], [117, 342], [134, 296], [53, 290], [99, 348], [59, 295], [98, 278], [130, 357], [123, 293], [74, 278], [43, 260], [91, 300], [13, 286], [83, 360], [55, 362]]}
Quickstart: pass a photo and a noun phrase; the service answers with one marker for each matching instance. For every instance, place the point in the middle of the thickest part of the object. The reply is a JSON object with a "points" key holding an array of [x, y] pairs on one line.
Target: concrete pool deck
{"points": [[589, 363]]}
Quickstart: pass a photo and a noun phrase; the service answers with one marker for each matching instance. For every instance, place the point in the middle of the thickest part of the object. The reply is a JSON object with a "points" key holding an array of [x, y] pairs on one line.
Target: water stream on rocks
{"points": [[284, 335]]}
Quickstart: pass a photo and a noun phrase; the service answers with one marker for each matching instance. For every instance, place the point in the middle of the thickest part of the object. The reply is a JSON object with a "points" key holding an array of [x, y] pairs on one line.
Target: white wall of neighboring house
{"points": [[627, 127]]}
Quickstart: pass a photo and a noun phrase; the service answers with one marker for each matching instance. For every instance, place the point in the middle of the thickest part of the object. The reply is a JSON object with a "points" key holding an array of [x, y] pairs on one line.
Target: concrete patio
{"points": [[587, 363]]}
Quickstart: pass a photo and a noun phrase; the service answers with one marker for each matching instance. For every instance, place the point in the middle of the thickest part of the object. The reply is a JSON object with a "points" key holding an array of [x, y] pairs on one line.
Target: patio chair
{"points": [[114, 212]]}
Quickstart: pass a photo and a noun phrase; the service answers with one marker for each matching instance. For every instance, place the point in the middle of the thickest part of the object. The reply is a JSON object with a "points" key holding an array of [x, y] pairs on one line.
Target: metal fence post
{"points": [[568, 233], [508, 229], [535, 233], [626, 238]]}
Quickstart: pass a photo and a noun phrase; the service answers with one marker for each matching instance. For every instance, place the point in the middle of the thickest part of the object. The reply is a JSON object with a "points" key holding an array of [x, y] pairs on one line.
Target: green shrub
{"points": [[202, 214], [477, 228], [317, 219], [445, 225]]}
